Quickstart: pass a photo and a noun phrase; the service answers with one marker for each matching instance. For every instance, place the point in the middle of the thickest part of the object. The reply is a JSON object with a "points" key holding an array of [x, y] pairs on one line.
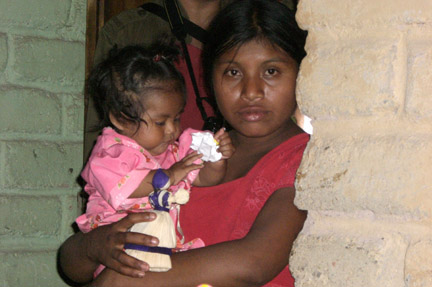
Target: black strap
{"points": [[192, 29], [171, 13], [180, 27]]}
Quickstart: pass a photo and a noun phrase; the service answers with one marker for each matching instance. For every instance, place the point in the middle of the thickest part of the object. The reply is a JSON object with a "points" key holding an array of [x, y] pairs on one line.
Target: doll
{"points": [[162, 200]]}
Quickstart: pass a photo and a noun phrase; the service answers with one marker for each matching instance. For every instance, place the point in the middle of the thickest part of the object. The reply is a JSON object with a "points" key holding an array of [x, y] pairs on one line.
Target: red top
{"points": [[191, 117], [241, 200]]}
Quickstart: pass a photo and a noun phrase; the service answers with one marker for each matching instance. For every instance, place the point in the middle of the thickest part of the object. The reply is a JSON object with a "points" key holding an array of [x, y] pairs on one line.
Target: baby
{"points": [[140, 96]]}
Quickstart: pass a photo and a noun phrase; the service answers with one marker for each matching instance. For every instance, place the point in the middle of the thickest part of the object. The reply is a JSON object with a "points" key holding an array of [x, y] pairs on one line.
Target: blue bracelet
{"points": [[160, 179]]}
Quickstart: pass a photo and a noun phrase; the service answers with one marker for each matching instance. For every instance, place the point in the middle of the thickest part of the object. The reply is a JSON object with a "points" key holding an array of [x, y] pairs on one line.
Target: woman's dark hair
{"points": [[119, 83], [246, 20]]}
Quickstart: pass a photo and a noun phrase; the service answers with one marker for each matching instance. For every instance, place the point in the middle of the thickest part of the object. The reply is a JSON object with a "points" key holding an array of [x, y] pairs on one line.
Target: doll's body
{"points": [[162, 227]]}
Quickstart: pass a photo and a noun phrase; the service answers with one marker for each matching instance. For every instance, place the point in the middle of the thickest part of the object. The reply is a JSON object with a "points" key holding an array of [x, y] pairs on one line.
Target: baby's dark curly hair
{"points": [[119, 84]]}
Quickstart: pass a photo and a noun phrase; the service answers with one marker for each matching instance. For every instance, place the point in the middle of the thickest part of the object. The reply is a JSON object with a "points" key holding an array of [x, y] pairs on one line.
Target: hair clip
{"points": [[157, 58]]}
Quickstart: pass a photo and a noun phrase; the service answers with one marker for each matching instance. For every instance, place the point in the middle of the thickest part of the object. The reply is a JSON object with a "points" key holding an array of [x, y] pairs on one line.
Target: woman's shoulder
{"points": [[298, 139], [290, 147], [280, 165]]}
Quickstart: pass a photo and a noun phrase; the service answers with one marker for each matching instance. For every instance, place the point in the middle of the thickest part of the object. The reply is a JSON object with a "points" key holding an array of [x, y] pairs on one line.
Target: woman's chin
{"points": [[252, 131]]}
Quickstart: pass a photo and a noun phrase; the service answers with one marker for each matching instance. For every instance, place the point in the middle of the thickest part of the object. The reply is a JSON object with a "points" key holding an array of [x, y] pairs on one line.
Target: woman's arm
{"points": [[82, 253], [211, 174], [251, 261]]}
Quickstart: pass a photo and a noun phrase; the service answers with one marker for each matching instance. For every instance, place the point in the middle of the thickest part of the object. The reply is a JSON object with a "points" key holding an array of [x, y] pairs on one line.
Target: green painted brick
{"points": [[47, 14], [74, 123], [49, 63], [29, 216], [42, 164], [72, 209], [3, 52], [29, 269], [75, 28], [29, 111], [55, 65]]}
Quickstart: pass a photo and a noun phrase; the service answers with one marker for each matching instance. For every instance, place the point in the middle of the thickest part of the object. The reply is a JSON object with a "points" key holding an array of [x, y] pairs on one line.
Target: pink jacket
{"points": [[115, 169]]}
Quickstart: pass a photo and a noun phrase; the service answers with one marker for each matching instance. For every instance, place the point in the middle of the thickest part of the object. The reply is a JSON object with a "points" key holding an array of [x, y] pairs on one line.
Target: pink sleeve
{"points": [[116, 172], [185, 141]]}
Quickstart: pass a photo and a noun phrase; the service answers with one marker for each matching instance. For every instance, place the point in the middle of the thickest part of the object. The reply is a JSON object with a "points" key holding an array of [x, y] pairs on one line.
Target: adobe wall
{"points": [[366, 178]]}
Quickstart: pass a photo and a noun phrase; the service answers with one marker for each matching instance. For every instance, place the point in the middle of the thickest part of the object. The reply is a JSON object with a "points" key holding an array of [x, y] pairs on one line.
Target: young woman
{"points": [[249, 222]]}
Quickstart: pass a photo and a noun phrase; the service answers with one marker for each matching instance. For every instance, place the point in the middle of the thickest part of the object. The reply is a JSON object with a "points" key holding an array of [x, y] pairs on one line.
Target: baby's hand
{"points": [[226, 147], [180, 169]]}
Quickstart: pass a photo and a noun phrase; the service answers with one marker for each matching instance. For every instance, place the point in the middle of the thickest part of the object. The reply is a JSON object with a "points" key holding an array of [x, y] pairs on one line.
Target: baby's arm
{"points": [[213, 172], [145, 187], [176, 173]]}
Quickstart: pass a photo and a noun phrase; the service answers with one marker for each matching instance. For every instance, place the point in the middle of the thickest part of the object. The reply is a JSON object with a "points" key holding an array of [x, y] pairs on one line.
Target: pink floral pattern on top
{"points": [[115, 169]]}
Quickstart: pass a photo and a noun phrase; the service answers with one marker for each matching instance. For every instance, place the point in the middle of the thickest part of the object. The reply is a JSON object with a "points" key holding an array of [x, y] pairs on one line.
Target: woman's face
{"points": [[255, 88]]}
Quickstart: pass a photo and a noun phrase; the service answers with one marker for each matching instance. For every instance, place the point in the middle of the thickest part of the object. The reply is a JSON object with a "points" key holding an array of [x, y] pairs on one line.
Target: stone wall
{"points": [[41, 131], [366, 178]]}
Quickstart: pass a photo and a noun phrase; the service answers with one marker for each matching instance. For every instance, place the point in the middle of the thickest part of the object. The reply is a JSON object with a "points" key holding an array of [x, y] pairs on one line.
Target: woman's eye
{"points": [[232, 72], [177, 119], [160, 123], [271, 71]]}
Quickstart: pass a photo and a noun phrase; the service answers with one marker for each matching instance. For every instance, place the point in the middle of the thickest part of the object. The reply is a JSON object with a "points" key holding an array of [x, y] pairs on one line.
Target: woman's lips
{"points": [[252, 114]]}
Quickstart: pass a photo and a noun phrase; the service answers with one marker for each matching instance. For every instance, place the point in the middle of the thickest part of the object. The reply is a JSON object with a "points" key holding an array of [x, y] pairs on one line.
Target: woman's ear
{"points": [[117, 124]]}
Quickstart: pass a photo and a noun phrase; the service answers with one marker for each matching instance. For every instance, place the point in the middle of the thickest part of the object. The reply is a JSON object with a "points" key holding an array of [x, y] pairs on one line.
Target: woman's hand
{"points": [[82, 253], [107, 242]]}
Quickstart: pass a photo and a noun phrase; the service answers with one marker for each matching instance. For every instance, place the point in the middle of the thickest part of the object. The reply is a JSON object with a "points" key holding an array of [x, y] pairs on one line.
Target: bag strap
{"points": [[192, 29], [171, 13]]}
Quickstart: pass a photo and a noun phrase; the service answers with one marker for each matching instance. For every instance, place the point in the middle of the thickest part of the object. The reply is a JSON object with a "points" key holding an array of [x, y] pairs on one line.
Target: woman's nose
{"points": [[253, 88]]}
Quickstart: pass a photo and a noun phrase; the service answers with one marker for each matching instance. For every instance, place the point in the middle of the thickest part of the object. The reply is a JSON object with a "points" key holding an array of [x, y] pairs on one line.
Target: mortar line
{"points": [[10, 55], [403, 77], [63, 129], [2, 163]]}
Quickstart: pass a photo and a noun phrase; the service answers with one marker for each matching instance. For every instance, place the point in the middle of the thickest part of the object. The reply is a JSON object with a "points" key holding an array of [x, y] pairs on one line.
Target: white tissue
{"points": [[205, 144]]}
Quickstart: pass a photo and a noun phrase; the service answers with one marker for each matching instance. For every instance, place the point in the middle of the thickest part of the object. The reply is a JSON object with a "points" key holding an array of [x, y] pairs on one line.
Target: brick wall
{"points": [[41, 123], [366, 178]]}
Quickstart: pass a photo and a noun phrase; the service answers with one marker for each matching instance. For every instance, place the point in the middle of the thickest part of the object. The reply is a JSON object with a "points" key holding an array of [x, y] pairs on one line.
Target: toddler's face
{"points": [[162, 115]]}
